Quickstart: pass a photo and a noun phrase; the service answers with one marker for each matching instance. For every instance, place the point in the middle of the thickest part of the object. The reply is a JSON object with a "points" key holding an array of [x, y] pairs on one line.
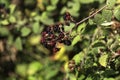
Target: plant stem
{"points": [[78, 23]]}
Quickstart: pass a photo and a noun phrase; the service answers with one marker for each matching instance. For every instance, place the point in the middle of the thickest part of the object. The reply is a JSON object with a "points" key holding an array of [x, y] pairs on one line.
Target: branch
{"points": [[78, 23]]}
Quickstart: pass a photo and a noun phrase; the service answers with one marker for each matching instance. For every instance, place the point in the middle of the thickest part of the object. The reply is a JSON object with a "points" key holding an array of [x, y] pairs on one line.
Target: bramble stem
{"points": [[78, 23]]}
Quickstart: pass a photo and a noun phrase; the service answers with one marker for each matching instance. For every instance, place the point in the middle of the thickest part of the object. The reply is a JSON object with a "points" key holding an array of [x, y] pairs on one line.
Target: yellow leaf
{"points": [[103, 60]]}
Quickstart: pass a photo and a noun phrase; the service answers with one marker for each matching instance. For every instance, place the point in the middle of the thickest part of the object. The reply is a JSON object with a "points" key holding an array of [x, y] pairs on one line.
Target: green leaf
{"points": [[4, 31], [68, 28], [12, 19], [33, 67], [117, 13], [103, 60], [111, 3], [107, 14], [76, 39], [18, 43], [78, 57], [12, 8], [51, 8], [98, 43], [54, 2], [81, 27], [86, 1], [25, 31], [4, 22], [45, 19], [36, 27], [34, 40], [98, 19], [21, 69]]}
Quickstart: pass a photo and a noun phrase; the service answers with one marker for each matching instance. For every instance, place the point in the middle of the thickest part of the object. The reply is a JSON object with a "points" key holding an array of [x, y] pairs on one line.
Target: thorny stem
{"points": [[78, 23]]}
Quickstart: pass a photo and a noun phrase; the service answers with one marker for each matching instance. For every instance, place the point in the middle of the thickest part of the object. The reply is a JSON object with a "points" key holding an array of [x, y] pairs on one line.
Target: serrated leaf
{"points": [[103, 60], [107, 14], [25, 31], [18, 43], [98, 19], [76, 39], [117, 13], [36, 27], [111, 3]]}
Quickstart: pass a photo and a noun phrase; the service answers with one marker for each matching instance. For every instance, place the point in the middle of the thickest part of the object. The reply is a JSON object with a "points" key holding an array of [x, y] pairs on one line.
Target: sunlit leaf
{"points": [[33, 67], [117, 13], [86, 1], [34, 40], [103, 60], [21, 69], [111, 3], [54, 2], [25, 31], [79, 57], [76, 39], [107, 14]]}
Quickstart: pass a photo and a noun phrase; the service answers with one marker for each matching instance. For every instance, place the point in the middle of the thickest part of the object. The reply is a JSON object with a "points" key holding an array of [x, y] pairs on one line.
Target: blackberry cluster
{"points": [[54, 34]]}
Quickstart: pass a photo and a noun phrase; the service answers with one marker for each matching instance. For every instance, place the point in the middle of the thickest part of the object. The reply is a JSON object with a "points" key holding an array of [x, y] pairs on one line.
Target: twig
{"points": [[78, 23]]}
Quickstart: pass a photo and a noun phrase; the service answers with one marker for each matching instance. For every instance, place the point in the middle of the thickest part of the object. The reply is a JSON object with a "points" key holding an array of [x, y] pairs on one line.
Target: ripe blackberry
{"points": [[56, 28], [67, 16], [61, 35], [48, 29], [67, 42], [55, 49], [51, 43]]}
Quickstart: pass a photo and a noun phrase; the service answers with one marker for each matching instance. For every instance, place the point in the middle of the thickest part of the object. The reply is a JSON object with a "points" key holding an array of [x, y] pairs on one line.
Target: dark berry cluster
{"points": [[56, 34], [53, 34]]}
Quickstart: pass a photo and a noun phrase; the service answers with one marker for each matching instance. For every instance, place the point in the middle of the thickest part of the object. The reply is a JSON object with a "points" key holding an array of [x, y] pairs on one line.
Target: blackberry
{"points": [[49, 29], [67, 16], [56, 28], [55, 49], [51, 43], [61, 35], [67, 42], [44, 33]]}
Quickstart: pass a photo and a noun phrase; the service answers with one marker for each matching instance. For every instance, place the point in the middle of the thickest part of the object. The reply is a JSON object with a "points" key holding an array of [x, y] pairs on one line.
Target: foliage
{"points": [[91, 50]]}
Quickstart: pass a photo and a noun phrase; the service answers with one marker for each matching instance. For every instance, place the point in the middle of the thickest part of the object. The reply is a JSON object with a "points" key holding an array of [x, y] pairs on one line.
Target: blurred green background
{"points": [[22, 57]]}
